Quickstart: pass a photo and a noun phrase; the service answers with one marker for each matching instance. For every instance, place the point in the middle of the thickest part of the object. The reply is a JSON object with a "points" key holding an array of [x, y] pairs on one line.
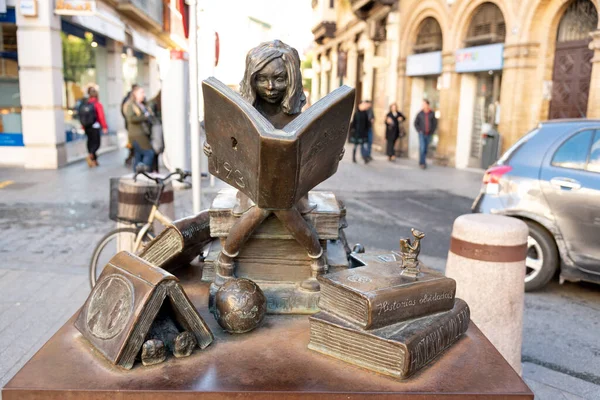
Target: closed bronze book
{"points": [[122, 306], [398, 350], [378, 295]]}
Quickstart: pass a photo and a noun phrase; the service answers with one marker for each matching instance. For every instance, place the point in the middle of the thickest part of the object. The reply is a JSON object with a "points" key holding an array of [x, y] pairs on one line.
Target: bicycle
{"points": [[130, 238]]}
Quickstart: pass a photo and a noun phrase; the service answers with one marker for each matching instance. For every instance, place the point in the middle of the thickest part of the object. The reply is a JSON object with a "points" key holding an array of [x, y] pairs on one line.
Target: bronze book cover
{"points": [[122, 306], [398, 350], [274, 167], [377, 295], [163, 248]]}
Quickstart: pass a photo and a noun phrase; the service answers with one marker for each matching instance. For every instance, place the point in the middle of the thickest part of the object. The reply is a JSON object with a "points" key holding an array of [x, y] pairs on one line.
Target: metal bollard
{"points": [[487, 260]]}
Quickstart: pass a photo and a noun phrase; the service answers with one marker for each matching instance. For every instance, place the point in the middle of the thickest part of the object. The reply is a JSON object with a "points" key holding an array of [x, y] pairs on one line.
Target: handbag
{"points": [[156, 139]]}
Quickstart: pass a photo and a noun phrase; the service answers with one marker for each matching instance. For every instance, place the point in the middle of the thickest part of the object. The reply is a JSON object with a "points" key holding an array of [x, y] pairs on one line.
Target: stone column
{"points": [[352, 59], [593, 110], [392, 41], [367, 88], [315, 90], [154, 76], [335, 79], [115, 90], [41, 88], [519, 75], [487, 260], [145, 75], [449, 102], [325, 68]]}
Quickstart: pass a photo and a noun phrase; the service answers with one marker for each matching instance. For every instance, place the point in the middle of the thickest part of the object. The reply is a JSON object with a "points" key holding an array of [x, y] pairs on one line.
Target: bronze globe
{"points": [[240, 305]]}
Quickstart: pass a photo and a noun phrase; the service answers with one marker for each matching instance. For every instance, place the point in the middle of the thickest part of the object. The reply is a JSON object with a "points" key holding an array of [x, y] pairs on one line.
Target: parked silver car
{"points": [[550, 179]]}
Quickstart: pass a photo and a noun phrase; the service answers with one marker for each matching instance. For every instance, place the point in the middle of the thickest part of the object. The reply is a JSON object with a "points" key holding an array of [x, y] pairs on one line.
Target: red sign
{"points": [[217, 49], [179, 55], [185, 16]]}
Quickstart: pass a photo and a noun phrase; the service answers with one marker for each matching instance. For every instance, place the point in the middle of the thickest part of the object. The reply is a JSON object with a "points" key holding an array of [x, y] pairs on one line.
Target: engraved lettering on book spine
{"points": [[438, 339]]}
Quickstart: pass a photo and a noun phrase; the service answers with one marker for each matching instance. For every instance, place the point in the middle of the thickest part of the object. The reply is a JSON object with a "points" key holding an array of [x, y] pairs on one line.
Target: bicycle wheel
{"points": [[121, 239]]}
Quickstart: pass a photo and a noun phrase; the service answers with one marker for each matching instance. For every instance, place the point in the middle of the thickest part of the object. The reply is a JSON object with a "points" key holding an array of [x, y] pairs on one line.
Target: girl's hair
{"points": [[263, 54], [393, 104]]}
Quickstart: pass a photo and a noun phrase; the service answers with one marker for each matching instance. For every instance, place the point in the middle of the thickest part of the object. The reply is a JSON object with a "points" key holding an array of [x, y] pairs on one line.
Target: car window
{"points": [[515, 147], [594, 160], [573, 152]]}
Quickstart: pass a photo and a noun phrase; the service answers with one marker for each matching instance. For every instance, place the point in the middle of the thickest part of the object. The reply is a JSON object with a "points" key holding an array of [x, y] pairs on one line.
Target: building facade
{"points": [[51, 54], [484, 65]]}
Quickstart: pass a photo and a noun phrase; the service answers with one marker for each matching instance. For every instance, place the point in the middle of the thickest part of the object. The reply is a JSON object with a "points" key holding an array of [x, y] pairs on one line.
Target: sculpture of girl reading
{"points": [[273, 85]]}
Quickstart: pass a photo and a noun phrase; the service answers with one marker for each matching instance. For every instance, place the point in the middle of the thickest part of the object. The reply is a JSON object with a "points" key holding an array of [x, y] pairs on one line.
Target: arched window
{"points": [[578, 21], [429, 37], [487, 26]]}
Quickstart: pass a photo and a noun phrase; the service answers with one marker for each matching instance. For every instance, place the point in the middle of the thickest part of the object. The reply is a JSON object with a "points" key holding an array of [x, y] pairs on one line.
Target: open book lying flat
{"points": [[274, 167]]}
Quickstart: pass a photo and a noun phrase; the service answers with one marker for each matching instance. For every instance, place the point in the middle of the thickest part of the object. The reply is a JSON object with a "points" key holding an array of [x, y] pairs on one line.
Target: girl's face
{"points": [[393, 108], [270, 83]]}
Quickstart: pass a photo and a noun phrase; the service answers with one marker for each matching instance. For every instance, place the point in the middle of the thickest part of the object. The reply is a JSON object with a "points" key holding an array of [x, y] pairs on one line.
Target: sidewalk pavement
{"points": [[51, 221]]}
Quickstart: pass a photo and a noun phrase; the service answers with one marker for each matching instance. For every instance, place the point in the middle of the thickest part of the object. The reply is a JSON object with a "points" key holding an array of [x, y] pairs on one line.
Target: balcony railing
{"points": [[145, 11]]}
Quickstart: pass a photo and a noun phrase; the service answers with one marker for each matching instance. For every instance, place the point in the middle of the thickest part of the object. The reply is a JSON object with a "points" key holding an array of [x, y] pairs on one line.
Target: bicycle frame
{"points": [[154, 214]]}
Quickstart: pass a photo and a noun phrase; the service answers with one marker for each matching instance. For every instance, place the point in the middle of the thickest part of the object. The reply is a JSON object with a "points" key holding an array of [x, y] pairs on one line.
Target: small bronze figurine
{"points": [[410, 254]]}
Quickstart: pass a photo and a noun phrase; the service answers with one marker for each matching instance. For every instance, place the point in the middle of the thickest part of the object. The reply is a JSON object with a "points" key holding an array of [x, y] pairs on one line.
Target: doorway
{"points": [[572, 61], [485, 113]]}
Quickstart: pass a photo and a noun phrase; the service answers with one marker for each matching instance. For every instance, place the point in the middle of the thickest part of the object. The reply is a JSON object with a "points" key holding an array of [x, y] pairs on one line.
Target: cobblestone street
{"points": [[52, 220]]}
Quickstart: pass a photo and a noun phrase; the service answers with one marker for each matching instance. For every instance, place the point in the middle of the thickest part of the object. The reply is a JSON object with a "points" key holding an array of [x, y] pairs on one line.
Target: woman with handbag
{"points": [[139, 124], [393, 121]]}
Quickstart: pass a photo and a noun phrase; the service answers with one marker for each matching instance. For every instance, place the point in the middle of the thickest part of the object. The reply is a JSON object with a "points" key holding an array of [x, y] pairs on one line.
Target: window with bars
{"points": [[580, 18], [429, 37], [487, 26]]}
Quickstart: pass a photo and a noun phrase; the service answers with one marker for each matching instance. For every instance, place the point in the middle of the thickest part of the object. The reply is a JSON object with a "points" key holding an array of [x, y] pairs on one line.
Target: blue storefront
{"points": [[11, 132]]}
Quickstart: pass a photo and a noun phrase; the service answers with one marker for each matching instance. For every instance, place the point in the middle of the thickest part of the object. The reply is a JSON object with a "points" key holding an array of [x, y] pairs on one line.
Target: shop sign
{"points": [[28, 8], [75, 7], [11, 139], [424, 64], [480, 58]]}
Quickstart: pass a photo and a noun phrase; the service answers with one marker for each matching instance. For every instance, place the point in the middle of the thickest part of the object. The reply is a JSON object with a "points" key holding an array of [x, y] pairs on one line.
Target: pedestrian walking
{"points": [[393, 119], [372, 122], [425, 124], [138, 122], [359, 131], [127, 97], [91, 116]]}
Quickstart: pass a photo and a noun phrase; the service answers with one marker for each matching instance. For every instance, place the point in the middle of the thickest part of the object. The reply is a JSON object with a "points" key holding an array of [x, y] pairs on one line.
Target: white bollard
{"points": [[487, 260]]}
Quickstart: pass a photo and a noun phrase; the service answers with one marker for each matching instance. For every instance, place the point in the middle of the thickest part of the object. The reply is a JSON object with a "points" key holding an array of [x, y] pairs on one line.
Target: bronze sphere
{"points": [[240, 305]]}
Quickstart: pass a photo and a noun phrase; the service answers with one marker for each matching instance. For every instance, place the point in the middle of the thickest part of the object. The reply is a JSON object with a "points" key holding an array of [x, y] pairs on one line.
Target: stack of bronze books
{"points": [[377, 318]]}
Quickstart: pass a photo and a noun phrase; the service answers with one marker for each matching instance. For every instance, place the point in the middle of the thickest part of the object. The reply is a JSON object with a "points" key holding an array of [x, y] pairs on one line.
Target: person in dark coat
{"points": [[359, 131], [425, 124], [393, 119]]}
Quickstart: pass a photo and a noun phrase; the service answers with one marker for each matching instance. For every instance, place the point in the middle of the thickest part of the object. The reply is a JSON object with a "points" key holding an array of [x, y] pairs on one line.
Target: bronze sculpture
{"points": [[410, 254], [278, 156]]}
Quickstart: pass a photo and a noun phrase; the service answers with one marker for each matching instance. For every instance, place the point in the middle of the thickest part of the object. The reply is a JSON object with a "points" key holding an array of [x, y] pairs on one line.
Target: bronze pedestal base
{"points": [[271, 362]]}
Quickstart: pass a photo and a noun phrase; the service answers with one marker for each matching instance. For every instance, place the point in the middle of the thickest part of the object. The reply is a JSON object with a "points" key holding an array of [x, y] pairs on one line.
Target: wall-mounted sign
{"points": [[480, 58], [424, 64], [28, 8], [75, 7]]}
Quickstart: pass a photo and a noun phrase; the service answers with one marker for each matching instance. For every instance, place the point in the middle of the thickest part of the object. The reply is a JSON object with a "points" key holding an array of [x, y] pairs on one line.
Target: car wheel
{"points": [[542, 257]]}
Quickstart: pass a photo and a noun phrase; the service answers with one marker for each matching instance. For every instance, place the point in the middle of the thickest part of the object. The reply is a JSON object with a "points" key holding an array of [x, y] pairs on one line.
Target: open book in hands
{"points": [[275, 168]]}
